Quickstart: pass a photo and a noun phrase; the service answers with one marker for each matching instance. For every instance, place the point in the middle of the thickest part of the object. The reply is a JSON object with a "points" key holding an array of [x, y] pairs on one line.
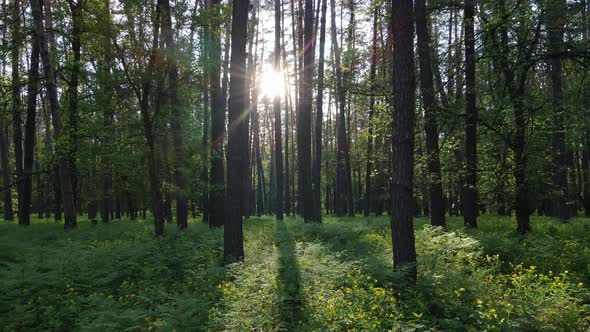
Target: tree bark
{"points": [[73, 116], [437, 206], [288, 105], [148, 128], [8, 213], [65, 173], [180, 177], [372, 83], [340, 185], [30, 127], [555, 24], [217, 184], [317, 161], [304, 115], [276, 105], [16, 107], [586, 153], [106, 94], [470, 199], [233, 232], [402, 228]]}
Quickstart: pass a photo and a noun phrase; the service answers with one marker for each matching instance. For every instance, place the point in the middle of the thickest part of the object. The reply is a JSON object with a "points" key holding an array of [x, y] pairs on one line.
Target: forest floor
{"points": [[333, 276]]}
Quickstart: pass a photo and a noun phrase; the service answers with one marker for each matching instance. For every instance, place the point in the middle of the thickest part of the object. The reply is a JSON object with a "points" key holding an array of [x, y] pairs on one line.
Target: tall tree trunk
{"points": [[16, 107], [217, 184], [586, 153], [304, 125], [437, 206], [73, 116], [233, 232], [104, 78], [347, 83], [251, 66], [65, 173], [207, 72], [8, 213], [470, 199], [288, 105], [402, 176], [276, 105], [340, 184], [317, 161], [258, 159], [372, 76], [30, 131], [299, 54], [148, 127], [180, 177], [555, 24]]}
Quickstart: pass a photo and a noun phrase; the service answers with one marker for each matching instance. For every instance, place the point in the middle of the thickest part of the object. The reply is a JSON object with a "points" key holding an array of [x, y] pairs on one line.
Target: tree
{"points": [[372, 83], [177, 118], [16, 109], [8, 214], [30, 132], [586, 153], [555, 24], [317, 161], [65, 173], [437, 206], [105, 96], [276, 105], [217, 184], [342, 192], [304, 120], [470, 197], [514, 72], [233, 237], [402, 184]]}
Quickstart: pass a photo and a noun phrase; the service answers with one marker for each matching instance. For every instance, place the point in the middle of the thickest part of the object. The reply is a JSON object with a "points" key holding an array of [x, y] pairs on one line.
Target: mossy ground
{"points": [[331, 276]]}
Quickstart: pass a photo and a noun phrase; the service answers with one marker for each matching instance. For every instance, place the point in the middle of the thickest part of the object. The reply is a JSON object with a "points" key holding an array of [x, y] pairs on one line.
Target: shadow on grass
{"points": [[289, 279]]}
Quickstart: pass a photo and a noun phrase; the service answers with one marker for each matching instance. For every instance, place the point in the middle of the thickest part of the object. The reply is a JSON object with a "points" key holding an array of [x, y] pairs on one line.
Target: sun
{"points": [[271, 83]]}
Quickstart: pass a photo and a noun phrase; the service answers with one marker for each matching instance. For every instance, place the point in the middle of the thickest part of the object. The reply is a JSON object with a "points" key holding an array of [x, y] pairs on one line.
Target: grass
{"points": [[334, 276]]}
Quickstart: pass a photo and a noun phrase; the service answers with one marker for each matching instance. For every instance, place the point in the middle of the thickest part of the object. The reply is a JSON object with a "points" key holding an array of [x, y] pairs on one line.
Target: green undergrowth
{"points": [[332, 276]]}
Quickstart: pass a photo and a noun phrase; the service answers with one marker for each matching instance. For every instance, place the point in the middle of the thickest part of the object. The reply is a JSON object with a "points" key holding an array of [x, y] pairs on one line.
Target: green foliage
{"points": [[332, 276]]}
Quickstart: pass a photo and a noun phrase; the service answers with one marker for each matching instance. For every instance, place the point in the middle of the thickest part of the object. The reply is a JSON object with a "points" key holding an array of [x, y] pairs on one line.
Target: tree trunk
{"points": [[586, 153], [65, 173], [402, 228], [317, 161], [470, 199], [437, 206], [304, 118], [288, 105], [372, 76], [555, 24], [148, 128], [233, 232], [104, 78], [340, 198], [217, 184], [207, 72], [16, 108], [30, 126], [276, 105], [180, 177], [73, 117], [8, 213]]}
